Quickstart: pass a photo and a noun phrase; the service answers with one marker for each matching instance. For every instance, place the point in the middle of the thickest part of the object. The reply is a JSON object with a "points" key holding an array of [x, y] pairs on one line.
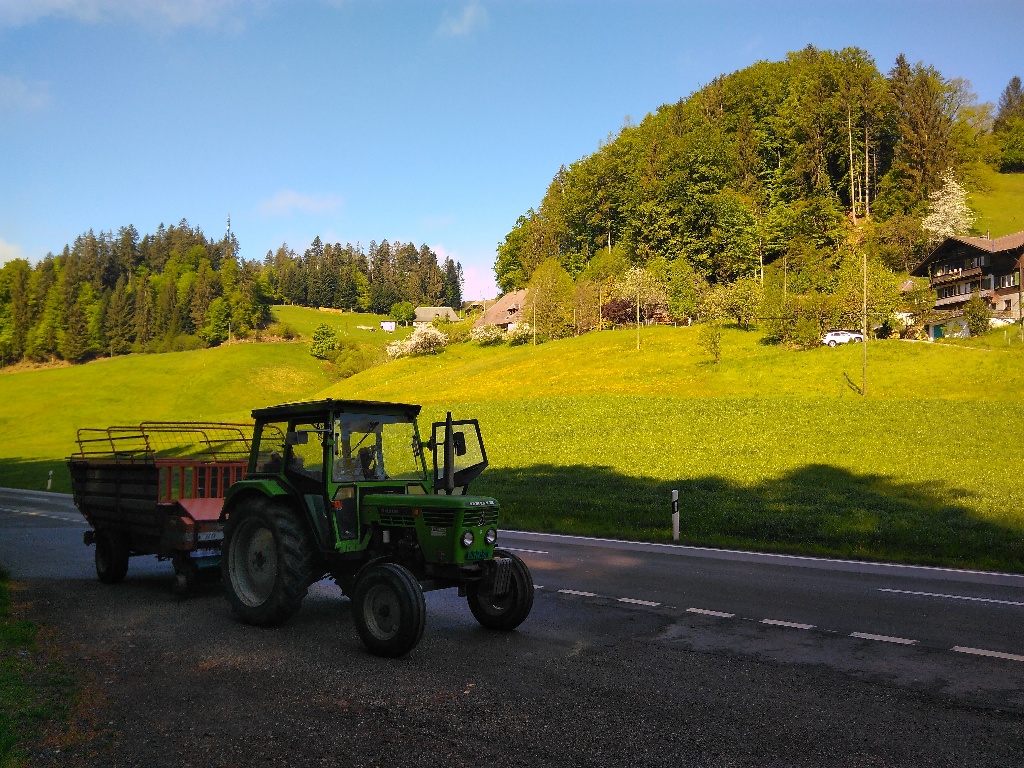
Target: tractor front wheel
{"points": [[266, 563], [389, 610], [507, 611], [111, 556]]}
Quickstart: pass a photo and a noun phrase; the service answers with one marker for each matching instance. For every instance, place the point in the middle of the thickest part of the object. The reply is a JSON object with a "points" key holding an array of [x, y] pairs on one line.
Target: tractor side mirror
{"points": [[459, 443], [296, 438]]}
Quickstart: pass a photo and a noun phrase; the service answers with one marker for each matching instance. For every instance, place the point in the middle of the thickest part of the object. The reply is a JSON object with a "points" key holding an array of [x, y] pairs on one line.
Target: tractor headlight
{"points": [[491, 536], [467, 539]]}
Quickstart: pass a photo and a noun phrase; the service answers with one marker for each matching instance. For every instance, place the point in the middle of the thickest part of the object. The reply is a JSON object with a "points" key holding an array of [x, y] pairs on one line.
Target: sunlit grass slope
{"points": [[1001, 209], [351, 325], [41, 411], [771, 449]]}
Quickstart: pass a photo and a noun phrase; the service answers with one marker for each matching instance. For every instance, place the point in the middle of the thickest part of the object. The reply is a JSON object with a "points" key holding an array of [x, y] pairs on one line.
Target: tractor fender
{"points": [[246, 489]]}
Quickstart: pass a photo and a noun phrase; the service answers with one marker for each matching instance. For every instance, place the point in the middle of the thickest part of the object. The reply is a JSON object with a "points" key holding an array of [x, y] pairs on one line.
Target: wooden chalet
{"points": [[962, 266], [506, 312]]}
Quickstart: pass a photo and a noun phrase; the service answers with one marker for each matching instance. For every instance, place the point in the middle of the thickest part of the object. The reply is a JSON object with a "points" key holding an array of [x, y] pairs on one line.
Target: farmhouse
{"points": [[506, 312], [962, 266], [426, 315]]}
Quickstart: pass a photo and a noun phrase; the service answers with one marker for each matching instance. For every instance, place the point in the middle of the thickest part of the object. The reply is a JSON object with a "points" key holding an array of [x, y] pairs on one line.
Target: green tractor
{"points": [[341, 488]]}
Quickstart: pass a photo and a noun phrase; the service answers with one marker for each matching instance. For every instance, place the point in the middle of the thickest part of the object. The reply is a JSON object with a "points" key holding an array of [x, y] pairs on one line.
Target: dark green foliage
{"points": [[108, 294], [324, 341], [976, 313], [773, 162]]}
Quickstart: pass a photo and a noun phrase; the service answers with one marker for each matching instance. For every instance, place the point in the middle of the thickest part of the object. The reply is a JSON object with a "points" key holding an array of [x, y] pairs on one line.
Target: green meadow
{"points": [[771, 449], [1000, 204]]}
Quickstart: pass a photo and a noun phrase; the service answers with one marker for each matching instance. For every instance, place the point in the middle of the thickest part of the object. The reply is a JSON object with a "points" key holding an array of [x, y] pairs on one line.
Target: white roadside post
{"points": [[49, 480], [675, 515]]}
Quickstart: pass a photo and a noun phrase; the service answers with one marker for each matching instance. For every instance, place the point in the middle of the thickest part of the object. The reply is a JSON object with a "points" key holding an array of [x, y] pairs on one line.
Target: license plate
{"points": [[478, 554]]}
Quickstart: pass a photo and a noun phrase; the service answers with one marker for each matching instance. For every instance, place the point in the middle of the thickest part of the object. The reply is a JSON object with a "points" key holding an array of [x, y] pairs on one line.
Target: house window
{"points": [[1009, 281]]}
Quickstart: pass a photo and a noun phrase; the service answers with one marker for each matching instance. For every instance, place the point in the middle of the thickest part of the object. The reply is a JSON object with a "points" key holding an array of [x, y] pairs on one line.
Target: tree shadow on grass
{"points": [[32, 474], [817, 509]]}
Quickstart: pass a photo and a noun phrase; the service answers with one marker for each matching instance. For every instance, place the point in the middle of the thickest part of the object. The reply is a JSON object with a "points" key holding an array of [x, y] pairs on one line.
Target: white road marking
{"points": [[528, 551], [34, 513], [953, 597], [883, 638], [578, 594], [790, 624], [706, 612], [633, 601], [983, 652]]}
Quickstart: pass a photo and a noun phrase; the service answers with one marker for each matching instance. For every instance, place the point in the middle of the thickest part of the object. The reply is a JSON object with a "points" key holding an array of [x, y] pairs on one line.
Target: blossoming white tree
{"points": [[948, 213]]}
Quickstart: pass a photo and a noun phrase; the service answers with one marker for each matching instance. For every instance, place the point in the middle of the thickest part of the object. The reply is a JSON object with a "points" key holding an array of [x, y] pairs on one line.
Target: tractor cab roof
{"points": [[313, 408]]}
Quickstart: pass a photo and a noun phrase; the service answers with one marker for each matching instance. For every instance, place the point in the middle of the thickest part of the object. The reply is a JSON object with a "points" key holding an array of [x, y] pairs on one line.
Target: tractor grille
{"points": [[439, 518], [481, 518], [396, 517]]}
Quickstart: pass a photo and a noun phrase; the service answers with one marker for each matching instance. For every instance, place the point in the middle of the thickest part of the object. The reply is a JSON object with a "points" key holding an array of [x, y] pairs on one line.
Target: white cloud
{"points": [[10, 252], [287, 201], [472, 17], [174, 13], [17, 95]]}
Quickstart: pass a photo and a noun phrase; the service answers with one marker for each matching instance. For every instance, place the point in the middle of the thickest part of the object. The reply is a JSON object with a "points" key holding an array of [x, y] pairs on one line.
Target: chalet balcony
{"points": [[954, 276], [962, 298]]}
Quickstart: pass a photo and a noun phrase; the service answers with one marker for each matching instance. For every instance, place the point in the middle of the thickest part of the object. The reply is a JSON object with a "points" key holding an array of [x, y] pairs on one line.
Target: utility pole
{"points": [[864, 323], [638, 319]]}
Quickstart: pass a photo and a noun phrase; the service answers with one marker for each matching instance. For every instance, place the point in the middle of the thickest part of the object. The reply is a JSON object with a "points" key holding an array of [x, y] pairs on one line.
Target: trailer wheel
{"points": [[266, 563], [111, 556], [508, 611], [389, 610]]}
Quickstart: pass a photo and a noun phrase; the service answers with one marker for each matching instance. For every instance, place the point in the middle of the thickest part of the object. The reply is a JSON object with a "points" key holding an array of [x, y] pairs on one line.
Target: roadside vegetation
{"points": [[35, 689]]}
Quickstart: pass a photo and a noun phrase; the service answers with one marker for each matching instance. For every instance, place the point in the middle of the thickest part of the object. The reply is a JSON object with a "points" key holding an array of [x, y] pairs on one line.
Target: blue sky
{"points": [[435, 122]]}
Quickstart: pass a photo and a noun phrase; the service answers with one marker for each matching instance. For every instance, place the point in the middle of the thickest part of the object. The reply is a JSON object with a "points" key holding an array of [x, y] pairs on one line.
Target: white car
{"points": [[841, 337]]}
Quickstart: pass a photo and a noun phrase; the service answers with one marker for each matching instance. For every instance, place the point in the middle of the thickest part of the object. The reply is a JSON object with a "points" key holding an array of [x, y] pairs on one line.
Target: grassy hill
{"points": [[1000, 207], [771, 448], [43, 409]]}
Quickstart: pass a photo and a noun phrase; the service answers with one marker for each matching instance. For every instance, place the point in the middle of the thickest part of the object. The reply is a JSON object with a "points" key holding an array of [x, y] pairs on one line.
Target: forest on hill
{"points": [[112, 294], [763, 190]]}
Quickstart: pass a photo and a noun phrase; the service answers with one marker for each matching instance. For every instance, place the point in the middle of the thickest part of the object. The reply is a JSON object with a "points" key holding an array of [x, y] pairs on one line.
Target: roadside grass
{"points": [[1000, 208], [771, 449], [42, 410], [35, 690]]}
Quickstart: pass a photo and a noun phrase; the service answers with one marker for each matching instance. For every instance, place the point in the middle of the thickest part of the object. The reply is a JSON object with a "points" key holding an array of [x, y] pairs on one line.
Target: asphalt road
{"points": [[634, 654]]}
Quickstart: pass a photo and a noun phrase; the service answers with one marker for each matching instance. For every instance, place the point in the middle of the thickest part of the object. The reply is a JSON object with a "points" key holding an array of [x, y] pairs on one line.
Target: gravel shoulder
{"points": [[171, 682]]}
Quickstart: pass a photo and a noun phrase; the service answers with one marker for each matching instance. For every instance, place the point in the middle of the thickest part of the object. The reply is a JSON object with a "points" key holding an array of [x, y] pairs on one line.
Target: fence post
{"points": [[675, 515], [49, 480]]}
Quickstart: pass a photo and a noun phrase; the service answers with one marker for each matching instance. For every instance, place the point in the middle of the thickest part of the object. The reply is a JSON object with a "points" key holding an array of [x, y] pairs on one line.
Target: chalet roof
{"points": [[507, 309], [981, 244], [427, 314]]}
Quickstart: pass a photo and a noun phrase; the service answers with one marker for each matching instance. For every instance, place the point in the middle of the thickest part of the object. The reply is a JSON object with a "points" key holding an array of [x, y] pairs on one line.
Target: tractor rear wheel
{"points": [[266, 562], [389, 610], [111, 556], [506, 611]]}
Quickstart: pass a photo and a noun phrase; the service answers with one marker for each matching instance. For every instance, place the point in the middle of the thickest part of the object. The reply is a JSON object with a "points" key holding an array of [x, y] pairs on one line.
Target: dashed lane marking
{"points": [[790, 624], [953, 597], [706, 612], [883, 638], [527, 551], [983, 652], [578, 594], [35, 513], [633, 601]]}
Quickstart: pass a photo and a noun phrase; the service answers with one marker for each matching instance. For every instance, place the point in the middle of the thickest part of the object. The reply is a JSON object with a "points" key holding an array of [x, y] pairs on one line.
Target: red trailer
{"points": [[158, 489]]}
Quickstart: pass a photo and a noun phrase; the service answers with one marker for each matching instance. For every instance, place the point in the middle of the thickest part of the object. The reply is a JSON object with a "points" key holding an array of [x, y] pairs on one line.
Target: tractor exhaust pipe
{"points": [[449, 456]]}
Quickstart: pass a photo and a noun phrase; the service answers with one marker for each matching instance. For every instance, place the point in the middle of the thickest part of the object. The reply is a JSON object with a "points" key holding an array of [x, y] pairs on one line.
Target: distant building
{"points": [[506, 313], [426, 315], [962, 266], [387, 325]]}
